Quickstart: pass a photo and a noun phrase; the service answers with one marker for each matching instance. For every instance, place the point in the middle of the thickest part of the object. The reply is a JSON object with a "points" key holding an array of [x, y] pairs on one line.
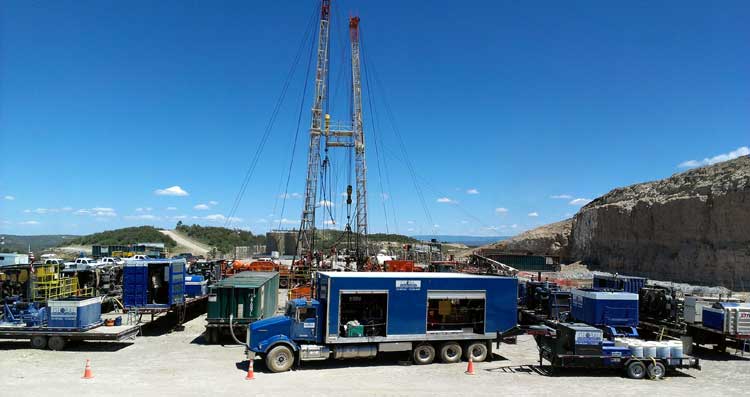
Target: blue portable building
{"points": [[402, 305], [605, 308], [156, 283], [621, 283]]}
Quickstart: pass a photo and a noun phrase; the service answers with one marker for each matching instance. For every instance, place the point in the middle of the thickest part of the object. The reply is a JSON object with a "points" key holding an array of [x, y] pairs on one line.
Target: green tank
{"points": [[247, 296]]}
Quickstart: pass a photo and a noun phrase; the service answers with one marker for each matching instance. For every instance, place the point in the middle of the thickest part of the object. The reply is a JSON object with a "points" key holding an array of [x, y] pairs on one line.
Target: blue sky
{"points": [[501, 106]]}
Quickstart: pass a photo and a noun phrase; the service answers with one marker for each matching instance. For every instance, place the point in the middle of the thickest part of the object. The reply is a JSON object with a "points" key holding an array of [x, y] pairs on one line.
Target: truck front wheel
{"points": [[280, 359], [424, 354]]}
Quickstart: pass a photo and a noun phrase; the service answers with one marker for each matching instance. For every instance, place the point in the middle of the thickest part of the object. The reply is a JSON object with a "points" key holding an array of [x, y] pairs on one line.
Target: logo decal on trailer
{"points": [[408, 285]]}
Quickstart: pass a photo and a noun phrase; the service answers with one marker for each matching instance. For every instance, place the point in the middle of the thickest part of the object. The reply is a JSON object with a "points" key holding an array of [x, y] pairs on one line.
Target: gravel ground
{"points": [[179, 363]]}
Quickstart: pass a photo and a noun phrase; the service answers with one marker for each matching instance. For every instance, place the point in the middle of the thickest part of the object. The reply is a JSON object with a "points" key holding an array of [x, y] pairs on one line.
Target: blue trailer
{"points": [[358, 315], [615, 312], [617, 282]]}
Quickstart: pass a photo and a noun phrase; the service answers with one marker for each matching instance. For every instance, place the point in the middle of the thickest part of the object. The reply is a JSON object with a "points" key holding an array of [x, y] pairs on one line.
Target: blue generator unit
{"points": [[615, 312], [75, 312], [195, 286], [619, 283], [731, 318], [156, 283]]}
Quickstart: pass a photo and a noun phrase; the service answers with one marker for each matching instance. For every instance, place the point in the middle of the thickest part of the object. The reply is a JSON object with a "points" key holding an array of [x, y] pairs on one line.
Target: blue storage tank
{"points": [[74, 312], [620, 283], [605, 308], [155, 283], [195, 286]]}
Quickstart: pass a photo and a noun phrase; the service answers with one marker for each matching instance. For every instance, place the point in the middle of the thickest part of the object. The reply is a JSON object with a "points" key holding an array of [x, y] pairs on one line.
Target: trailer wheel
{"points": [[57, 343], [424, 354], [636, 370], [450, 352], [280, 359], [477, 351], [656, 370], [39, 342]]}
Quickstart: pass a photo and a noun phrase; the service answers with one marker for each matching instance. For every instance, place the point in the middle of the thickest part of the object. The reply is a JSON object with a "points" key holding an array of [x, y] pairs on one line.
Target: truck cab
{"points": [[277, 338]]}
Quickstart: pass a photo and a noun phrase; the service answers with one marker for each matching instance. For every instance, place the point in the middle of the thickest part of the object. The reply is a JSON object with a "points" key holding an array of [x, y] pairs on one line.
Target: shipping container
{"points": [[75, 312], [246, 296], [620, 283], [605, 308], [157, 283], [523, 262]]}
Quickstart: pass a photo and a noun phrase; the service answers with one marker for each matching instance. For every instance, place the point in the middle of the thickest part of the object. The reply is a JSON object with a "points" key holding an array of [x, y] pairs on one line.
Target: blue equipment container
{"points": [[620, 283], [155, 283], [195, 286], [74, 312], [409, 297], [605, 309]]}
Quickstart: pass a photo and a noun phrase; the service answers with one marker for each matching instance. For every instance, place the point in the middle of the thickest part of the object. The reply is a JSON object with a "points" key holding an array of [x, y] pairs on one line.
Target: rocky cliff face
{"points": [[692, 227]]}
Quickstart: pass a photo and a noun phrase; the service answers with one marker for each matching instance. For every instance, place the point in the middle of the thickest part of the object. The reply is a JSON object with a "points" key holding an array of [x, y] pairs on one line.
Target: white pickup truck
{"points": [[108, 260], [81, 264]]}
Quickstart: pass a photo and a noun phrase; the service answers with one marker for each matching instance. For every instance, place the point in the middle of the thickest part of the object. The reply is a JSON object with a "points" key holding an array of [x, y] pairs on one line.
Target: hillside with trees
{"points": [[128, 235], [223, 239]]}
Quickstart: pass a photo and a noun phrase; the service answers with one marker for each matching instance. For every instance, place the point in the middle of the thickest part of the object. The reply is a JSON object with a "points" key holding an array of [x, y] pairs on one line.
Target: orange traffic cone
{"points": [[87, 374], [470, 367], [250, 372]]}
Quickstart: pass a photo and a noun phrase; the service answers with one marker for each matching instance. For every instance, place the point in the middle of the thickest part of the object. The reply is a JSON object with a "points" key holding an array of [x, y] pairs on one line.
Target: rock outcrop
{"points": [[552, 239], [692, 227]]}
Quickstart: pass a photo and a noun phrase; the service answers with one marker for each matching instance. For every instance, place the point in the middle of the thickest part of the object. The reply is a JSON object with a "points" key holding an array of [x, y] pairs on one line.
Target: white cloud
{"points": [[579, 201], [179, 217], [561, 196], [9, 197], [514, 226], [29, 223], [411, 229], [286, 221], [171, 208], [66, 209], [740, 151], [533, 214], [329, 222], [201, 207], [290, 195], [220, 218], [212, 202], [147, 209], [446, 200], [436, 226], [97, 211], [145, 217], [325, 203], [261, 220], [171, 191], [472, 191], [385, 196], [464, 222], [501, 210], [410, 222]]}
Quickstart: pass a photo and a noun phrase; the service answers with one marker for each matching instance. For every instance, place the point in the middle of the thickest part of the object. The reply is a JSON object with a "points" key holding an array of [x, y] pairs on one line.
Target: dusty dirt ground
{"points": [[179, 363]]}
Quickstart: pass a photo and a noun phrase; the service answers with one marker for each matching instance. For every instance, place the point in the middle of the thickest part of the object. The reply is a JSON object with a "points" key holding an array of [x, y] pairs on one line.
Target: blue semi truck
{"points": [[359, 315]]}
